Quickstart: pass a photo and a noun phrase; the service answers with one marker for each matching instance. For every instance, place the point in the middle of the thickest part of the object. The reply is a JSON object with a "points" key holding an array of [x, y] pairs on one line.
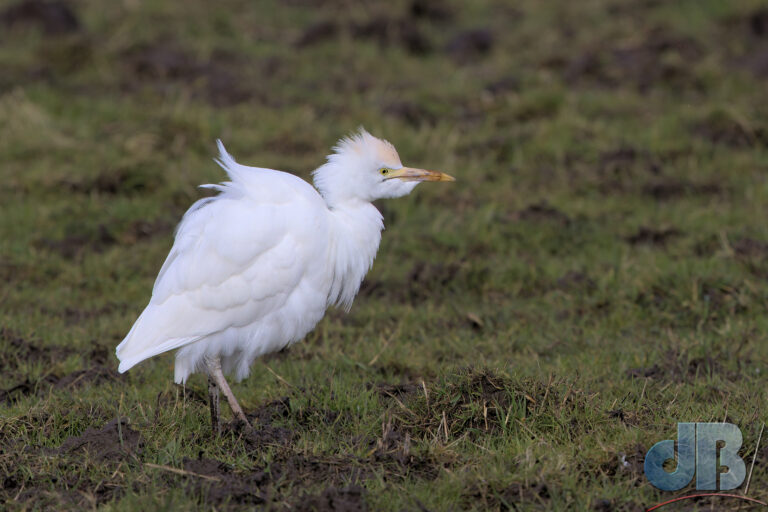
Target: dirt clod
{"points": [[750, 248], [658, 60], [333, 499], [53, 17], [317, 33], [672, 189], [27, 350], [432, 10], [115, 440], [393, 31], [216, 483], [576, 281], [410, 112], [219, 79], [542, 211], [651, 236], [470, 44], [79, 240], [92, 376]]}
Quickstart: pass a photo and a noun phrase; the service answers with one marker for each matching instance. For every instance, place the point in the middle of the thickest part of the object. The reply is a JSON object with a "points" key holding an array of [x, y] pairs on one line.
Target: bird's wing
{"points": [[235, 259]]}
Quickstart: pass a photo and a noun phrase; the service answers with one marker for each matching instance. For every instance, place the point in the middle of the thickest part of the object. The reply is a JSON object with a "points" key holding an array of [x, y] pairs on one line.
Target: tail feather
{"points": [[141, 344], [128, 361], [224, 159]]}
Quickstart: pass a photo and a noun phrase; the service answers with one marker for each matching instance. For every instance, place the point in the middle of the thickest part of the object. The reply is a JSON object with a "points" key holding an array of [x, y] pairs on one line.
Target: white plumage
{"points": [[253, 269]]}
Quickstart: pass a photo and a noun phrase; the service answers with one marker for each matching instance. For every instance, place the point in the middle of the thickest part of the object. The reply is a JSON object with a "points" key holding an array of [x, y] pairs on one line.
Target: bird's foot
{"points": [[213, 400], [217, 376]]}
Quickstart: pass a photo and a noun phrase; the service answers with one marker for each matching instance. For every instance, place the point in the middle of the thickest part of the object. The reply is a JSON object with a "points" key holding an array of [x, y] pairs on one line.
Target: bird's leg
{"points": [[214, 370], [213, 400]]}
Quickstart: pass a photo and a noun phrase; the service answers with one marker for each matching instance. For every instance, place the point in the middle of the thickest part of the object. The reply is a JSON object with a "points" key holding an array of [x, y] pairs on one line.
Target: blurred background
{"points": [[606, 234]]}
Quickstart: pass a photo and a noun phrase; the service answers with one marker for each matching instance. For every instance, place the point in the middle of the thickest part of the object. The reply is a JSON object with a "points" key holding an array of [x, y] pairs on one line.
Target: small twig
{"points": [[445, 427], [383, 348], [117, 470], [278, 377], [726, 244], [407, 445], [481, 447], [181, 471], [454, 443], [15, 498], [401, 404], [757, 447], [387, 340]]}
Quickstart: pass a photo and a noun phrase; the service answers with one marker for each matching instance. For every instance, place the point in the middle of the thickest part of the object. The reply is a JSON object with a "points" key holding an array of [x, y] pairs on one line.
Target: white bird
{"points": [[253, 269]]}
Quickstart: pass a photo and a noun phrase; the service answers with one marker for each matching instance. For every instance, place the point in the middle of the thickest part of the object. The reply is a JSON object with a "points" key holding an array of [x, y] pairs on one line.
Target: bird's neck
{"points": [[356, 232]]}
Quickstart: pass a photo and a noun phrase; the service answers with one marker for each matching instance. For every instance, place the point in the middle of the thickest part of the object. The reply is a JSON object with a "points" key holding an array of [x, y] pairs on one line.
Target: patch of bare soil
{"points": [[398, 391], [217, 484], [425, 278], [392, 452], [539, 212], [26, 387], [626, 463], [115, 440], [469, 45], [410, 112], [51, 16], [281, 482], [678, 366], [389, 29], [671, 189], [219, 79], [750, 248], [78, 241], [73, 315], [127, 180], [94, 375], [139, 230], [576, 281], [751, 31], [719, 127], [21, 349], [662, 59], [71, 492], [317, 33], [624, 159], [263, 433], [651, 236], [493, 497], [434, 11], [393, 31], [334, 499]]}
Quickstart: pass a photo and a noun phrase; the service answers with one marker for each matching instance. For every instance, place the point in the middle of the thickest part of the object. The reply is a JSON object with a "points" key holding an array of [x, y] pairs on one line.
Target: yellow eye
{"points": [[384, 171]]}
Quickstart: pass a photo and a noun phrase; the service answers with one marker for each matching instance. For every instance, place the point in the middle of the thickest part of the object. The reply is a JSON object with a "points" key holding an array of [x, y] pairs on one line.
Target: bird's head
{"points": [[363, 167]]}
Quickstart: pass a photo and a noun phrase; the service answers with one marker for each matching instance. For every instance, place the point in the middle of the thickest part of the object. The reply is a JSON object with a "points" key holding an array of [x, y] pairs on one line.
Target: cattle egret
{"points": [[253, 269]]}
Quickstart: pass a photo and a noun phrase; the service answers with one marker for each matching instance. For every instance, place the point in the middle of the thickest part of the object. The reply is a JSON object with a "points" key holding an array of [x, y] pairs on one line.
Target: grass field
{"points": [[598, 272]]}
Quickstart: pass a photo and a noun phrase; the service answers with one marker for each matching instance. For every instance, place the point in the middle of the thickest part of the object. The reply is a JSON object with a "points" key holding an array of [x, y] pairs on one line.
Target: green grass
{"points": [[598, 272]]}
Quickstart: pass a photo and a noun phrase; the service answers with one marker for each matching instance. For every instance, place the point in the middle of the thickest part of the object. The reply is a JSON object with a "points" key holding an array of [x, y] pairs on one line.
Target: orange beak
{"points": [[411, 174]]}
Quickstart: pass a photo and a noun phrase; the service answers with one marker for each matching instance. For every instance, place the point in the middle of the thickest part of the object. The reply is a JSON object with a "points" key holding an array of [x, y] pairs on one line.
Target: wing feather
{"points": [[235, 259]]}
